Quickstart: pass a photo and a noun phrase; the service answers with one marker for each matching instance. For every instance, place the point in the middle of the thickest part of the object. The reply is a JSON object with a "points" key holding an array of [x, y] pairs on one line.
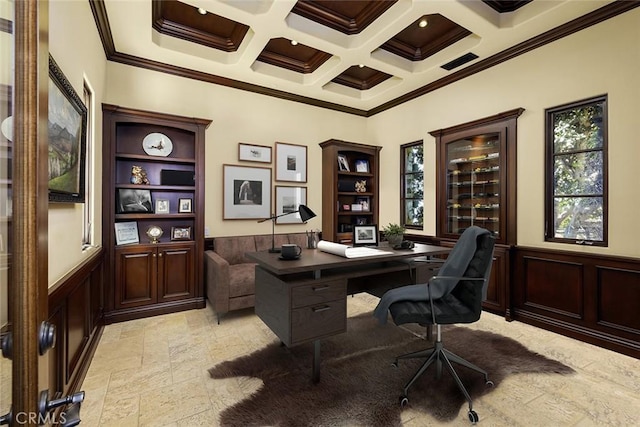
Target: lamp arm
{"points": [[272, 217]]}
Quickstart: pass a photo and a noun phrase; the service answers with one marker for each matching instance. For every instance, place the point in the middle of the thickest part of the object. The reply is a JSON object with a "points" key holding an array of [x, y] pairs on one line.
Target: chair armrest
{"points": [[217, 269]]}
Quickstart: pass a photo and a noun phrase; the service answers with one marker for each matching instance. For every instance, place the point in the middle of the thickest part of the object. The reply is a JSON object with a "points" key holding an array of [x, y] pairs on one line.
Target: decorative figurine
{"points": [[139, 175], [361, 186]]}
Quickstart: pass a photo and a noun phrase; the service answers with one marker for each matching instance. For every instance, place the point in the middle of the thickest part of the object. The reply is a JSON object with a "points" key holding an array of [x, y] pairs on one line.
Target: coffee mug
{"points": [[291, 251]]}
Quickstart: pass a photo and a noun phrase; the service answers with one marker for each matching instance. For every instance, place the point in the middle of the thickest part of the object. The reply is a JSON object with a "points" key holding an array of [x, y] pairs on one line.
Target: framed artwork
{"points": [[180, 233], [162, 206], [132, 200], [364, 202], [67, 125], [126, 232], [362, 166], [291, 162], [343, 163], [184, 205], [254, 153], [287, 201], [246, 192], [365, 235]]}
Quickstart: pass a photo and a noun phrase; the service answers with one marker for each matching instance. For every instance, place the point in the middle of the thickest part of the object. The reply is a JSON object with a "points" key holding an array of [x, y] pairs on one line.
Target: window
{"points": [[87, 232], [412, 192], [576, 179]]}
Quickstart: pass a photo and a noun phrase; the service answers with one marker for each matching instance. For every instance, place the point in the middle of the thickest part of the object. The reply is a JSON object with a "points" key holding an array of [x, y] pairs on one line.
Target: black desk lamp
{"points": [[305, 214]]}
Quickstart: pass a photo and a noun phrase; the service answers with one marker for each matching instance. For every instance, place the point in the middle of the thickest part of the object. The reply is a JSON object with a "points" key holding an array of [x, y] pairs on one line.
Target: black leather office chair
{"points": [[463, 304]]}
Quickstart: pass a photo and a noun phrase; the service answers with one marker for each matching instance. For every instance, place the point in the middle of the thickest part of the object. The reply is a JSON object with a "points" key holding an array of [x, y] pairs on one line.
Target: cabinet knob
{"points": [[160, 255], [154, 255]]}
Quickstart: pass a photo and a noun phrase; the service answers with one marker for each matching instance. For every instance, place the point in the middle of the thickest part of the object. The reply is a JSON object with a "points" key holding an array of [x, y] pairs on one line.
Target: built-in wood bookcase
{"points": [[350, 186], [153, 276]]}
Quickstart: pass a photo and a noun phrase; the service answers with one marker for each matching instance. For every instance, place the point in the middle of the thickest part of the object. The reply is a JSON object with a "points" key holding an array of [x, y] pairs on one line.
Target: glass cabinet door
{"points": [[476, 177], [473, 183]]}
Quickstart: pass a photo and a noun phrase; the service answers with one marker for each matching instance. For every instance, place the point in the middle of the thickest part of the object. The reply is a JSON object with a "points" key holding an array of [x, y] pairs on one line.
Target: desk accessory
{"points": [[305, 214], [291, 251]]}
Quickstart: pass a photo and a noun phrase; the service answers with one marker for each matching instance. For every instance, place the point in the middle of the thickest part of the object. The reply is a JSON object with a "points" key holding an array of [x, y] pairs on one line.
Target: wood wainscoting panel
{"points": [[78, 319], [75, 309], [615, 287], [554, 285], [589, 297]]}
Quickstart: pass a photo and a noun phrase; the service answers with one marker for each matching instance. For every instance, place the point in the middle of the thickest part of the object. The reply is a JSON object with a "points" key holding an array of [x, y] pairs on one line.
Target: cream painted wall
{"points": [[237, 116], [603, 59], [75, 45]]}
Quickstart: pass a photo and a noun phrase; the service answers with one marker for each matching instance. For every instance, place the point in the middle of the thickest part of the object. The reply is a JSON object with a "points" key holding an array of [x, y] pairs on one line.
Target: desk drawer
{"points": [[315, 293], [318, 321]]}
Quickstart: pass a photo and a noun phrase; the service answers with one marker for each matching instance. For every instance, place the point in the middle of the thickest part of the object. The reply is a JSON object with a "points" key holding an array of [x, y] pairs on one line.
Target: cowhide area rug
{"points": [[358, 384]]}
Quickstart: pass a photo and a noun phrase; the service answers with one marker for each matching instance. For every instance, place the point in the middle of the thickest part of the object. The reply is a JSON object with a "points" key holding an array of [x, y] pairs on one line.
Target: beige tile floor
{"points": [[153, 372]]}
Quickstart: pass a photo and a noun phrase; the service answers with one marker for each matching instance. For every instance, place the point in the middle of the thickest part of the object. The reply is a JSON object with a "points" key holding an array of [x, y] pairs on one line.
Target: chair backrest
{"points": [[472, 292]]}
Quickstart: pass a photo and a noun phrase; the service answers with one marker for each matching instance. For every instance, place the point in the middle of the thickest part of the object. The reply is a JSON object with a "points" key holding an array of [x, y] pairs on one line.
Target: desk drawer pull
{"points": [[319, 309], [321, 288]]}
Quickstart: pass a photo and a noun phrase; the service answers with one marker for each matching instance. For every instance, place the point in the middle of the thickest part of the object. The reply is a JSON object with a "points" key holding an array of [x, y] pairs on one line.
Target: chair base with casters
{"points": [[440, 355]]}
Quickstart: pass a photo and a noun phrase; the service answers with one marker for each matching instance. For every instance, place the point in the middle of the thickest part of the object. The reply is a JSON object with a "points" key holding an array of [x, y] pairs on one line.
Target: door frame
{"points": [[29, 294]]}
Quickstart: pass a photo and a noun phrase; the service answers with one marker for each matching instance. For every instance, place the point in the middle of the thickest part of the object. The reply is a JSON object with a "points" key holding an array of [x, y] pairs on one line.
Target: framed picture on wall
{"points": [[291, 162], [246, 192], [288, 199], [254, 153]]}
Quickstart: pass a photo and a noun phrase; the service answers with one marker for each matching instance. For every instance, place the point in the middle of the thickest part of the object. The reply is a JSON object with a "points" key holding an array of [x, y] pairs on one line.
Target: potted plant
{"points": [[394, 234]]}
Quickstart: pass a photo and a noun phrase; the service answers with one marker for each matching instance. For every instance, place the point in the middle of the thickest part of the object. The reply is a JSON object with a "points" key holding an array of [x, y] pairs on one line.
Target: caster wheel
{"points": [[489, 383], [473, 417], [404, 401], [394, 364]]}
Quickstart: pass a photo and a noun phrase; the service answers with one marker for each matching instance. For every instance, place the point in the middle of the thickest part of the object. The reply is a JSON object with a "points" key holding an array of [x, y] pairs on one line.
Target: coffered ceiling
{"points": [[356, 56]]}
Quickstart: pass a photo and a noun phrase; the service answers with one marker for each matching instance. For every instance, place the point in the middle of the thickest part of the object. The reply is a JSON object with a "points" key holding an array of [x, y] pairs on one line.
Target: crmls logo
{"points": [[40, 419]]}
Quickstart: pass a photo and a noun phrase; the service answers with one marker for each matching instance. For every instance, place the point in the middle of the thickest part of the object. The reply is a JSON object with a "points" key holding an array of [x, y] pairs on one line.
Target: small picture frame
{"points": [[162, 206], [362, 166], [343, 163], [126, 232], [180, 233], [254, 153], [365, 235], [364, 202], [184, 205]]}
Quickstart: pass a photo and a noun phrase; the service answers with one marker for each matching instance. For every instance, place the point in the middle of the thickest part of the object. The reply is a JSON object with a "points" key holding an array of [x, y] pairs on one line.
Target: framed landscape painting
{"points": [[67, 125]]}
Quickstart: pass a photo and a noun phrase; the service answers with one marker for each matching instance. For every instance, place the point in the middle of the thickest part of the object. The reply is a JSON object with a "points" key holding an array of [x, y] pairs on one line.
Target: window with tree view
{"points": [[412, 197], [576, 210]]}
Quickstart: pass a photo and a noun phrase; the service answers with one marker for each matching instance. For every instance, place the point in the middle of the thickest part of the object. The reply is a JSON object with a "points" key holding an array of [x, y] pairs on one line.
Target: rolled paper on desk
{"points": [[349, 251]]}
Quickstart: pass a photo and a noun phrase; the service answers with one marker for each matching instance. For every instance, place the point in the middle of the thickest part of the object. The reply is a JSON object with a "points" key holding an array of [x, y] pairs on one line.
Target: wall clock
{"points": [[157, 144]]}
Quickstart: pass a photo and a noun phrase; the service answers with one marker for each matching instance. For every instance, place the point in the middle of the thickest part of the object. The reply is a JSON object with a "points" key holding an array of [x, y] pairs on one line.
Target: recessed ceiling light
{"points": [[293, 42], [361, 65], [202, 11], [423, 23]]}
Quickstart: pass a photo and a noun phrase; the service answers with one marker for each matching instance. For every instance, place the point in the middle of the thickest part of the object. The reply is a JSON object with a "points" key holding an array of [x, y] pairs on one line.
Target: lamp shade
{"points": [[305, 213]]}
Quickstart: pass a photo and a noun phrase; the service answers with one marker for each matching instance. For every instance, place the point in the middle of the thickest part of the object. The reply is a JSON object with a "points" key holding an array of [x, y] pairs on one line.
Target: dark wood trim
{"points": [[123, 315], [606, 12], [99, 12]]}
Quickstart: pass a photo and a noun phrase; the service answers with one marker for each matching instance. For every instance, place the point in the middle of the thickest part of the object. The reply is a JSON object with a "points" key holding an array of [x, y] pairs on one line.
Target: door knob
{"points": [[46, 337], [6, 418]]}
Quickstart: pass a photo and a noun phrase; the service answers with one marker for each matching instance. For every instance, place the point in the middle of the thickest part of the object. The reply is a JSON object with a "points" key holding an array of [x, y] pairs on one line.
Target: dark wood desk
{"points": [[305, 299]]}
